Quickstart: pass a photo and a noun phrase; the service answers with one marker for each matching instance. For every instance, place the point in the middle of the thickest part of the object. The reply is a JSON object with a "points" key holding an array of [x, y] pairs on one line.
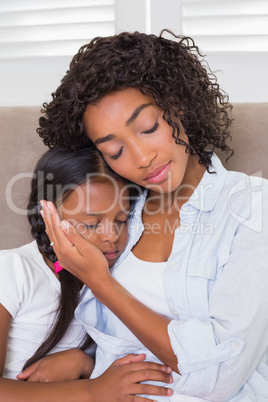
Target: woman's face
{"points": [[100, 213], [129, 130]]}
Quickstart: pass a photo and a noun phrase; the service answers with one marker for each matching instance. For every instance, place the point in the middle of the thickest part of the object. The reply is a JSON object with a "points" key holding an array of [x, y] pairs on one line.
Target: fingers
{"points": [[53, 225], [31, 373], [150, 374], [147, 389], [61, 244], [62, 233], [28, 371], [83, 246], [73, 252], [131, 358], [135, 358], [137, 366]]}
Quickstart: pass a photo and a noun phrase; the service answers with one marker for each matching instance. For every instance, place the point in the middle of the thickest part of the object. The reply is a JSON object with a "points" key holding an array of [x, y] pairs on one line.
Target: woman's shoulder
{"points": [[241, 185], [234, 180]]}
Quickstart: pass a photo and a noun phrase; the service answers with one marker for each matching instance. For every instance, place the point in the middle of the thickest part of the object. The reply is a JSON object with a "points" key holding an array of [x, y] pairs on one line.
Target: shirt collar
{"points": [[208, 190]]}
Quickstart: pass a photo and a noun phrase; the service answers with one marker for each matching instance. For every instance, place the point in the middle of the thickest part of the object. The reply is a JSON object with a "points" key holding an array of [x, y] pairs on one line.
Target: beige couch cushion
{"points": [[250, 139], [21, 148]]}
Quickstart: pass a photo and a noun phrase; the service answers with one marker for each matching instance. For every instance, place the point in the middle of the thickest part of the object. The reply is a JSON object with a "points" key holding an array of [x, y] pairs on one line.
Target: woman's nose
{"points": [[143, 154]]}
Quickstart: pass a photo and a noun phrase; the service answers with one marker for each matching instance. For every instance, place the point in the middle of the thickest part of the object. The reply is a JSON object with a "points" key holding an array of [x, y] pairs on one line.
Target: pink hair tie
{"points": [[57, 267]]}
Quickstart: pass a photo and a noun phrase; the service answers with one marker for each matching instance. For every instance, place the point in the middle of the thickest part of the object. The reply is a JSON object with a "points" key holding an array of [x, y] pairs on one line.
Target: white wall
{"points": [[29, 82], [244, 76]]}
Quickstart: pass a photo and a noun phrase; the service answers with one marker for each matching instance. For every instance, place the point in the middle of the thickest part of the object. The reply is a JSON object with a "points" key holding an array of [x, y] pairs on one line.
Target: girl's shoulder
{"points": [[23, 273], [22, 261], [26, 252]]}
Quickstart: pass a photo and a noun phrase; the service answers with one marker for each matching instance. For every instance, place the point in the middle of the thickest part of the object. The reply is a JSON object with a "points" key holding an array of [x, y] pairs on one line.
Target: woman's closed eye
{"points": [[151, 130], [117, 154]]}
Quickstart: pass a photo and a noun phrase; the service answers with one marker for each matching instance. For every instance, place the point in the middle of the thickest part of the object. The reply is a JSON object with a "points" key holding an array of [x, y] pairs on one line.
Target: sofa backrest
{"points": [[249, 139], [21, 147]]}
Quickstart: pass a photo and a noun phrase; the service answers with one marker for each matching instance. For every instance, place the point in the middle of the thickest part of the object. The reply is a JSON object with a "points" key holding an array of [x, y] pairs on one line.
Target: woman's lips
{"points": [[158, 174]]}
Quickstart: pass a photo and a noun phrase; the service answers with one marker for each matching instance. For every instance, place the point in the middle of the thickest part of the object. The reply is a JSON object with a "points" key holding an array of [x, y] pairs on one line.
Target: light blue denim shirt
{"points": [[216, 287]]}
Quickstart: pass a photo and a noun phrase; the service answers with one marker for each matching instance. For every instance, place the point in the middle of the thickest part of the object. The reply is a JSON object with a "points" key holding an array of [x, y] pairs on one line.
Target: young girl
{"points": [[37, 301], [192, 282]]}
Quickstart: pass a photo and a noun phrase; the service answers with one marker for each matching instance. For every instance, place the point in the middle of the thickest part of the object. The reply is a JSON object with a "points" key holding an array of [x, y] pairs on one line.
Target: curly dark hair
{"points": [[172, 71]]}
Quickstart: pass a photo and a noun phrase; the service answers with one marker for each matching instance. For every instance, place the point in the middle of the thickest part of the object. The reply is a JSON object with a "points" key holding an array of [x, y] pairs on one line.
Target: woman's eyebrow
{"points": [[128, 122], [104, 139], [137, 112]]}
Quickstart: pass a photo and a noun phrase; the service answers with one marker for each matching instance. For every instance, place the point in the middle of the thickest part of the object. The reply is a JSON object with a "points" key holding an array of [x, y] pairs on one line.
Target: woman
{"points": [[191, 284]]}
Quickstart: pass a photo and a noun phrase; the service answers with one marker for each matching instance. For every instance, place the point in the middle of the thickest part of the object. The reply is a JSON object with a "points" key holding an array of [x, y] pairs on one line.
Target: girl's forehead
{"points": [[111, 196]]}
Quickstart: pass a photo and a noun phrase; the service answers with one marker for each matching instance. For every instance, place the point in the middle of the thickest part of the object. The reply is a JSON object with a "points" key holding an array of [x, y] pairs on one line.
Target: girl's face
{"points": [[100, 213], [129, 130]]}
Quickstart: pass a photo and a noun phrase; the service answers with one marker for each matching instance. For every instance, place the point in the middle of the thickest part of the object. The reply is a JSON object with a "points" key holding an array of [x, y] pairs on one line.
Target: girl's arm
{"points": [[5, 320], [75, 254], [68, 365], [119, 382]]}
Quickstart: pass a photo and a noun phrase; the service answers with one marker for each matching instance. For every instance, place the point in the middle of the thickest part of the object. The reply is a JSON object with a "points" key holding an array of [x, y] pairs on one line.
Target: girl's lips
{"points": [[158, 174], [111, 254]]}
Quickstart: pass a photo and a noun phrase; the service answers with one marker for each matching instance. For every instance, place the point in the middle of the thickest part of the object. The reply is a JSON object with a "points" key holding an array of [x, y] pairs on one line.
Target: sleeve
{"points": [[11, 281], [217, 356]]}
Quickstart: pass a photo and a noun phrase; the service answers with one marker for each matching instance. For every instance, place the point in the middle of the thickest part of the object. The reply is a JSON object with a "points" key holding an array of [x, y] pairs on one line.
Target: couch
{"points": [[21, 148]]}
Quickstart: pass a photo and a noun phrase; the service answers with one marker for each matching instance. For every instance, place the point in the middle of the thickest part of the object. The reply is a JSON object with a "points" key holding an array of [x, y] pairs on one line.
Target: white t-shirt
{"points": [[149, 290], [30, 293]]}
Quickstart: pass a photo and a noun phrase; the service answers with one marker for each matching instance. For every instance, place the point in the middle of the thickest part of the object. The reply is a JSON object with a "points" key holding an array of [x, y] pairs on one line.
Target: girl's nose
{"points": [[110, 232]]}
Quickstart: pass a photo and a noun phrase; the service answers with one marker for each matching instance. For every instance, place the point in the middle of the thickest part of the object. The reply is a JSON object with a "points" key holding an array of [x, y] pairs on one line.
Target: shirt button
{"points": [[235, 346], [175, 312], [172, 264]]}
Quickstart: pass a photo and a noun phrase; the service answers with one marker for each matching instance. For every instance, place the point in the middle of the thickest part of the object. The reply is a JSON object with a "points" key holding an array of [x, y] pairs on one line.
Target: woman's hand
{"points": [[68, 365], [76, 254], [122, 380]]}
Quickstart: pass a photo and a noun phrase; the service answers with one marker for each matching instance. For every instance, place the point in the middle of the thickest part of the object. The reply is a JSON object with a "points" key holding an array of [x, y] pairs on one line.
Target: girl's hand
{"points": [[74, 253], [122, 381], [68, 365], [119, 383]]}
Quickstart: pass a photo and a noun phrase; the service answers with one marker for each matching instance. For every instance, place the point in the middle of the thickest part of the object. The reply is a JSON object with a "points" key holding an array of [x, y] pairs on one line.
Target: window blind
{"points": [[226, 25], [30, 28]]}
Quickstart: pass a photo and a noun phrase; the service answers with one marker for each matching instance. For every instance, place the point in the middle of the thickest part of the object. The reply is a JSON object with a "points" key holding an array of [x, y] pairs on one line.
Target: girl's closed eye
{"points": [[93, 226], [82, 227], [123, 220], [85, 228]]}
